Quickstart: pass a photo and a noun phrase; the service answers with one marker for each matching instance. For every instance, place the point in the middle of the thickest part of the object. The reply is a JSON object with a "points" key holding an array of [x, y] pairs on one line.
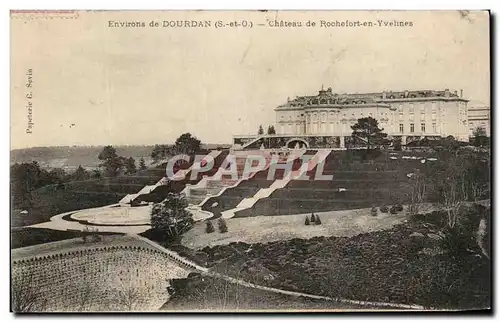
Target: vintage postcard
{"points": [[248, 161]]}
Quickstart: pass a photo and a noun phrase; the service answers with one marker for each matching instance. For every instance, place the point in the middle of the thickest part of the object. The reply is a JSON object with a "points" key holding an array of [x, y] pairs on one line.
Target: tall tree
{"points": [[160, 152], [96, 174], [111, 162], [142, 164], [418, 189], [130, 165], [80, 174], [187, 144], [261, 130], [479, 137], [367, 129], [397, 144], [26, 177], [271, 130]]}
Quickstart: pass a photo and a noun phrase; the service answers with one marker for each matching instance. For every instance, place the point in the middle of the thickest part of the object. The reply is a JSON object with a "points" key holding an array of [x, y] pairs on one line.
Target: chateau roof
{"points": [[328, 97]]}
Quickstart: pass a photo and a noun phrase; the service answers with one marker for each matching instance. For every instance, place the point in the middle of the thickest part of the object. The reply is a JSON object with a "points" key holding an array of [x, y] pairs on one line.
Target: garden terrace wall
{"points": [[363, 189], [100, 279], [161, 192], [231, 197]]}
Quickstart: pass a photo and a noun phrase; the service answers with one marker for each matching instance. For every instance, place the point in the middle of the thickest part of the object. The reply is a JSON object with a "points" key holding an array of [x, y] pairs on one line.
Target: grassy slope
{"points": [[383, 266], [208, 294]]}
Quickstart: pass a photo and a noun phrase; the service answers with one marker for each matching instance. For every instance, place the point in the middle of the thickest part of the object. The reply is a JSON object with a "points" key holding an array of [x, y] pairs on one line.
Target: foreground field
{"points": [[403, 264], [202, 293]]}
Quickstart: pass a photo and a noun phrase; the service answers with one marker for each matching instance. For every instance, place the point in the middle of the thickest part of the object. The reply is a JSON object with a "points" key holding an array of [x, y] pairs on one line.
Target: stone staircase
{"points": [[246, 203], [150, 188], [198, 194]]}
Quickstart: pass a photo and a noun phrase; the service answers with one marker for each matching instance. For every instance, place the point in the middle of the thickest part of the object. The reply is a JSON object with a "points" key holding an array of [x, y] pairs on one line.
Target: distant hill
{"points": [[70, 157]]}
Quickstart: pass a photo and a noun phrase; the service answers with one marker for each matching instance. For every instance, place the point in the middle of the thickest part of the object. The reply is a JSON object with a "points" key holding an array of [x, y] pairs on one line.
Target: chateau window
{"points": [[400, 109], [422, 127], [401, 128], [434, 128], [434, 108], [412, 127], [412, 109], [370, 114]]}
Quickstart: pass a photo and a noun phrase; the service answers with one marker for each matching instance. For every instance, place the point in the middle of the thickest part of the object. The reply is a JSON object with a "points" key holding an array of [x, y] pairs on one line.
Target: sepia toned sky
{"points": [[94, 84]]}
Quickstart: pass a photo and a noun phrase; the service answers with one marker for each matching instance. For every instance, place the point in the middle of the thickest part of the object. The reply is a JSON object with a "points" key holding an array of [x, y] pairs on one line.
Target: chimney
{"points": [[447, 92], [456, 93], [461, 93], [384, 95]]}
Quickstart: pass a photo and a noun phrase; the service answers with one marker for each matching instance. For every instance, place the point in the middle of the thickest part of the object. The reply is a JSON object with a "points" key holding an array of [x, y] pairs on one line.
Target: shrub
{"points": [[457, 242], [313, 218], [393, 210], [210, 227], [307, 221], [222, 225], [384, 209], [399, 207], [373, 211], [317, 220]]}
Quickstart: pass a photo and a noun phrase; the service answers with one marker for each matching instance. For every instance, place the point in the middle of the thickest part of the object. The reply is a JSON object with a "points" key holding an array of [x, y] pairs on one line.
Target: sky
{"points": [[96, 85]]}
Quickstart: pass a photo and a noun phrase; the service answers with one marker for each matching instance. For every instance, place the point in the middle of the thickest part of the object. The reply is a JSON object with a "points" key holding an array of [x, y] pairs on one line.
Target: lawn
{"points": [[47, 202], [263, 229]]}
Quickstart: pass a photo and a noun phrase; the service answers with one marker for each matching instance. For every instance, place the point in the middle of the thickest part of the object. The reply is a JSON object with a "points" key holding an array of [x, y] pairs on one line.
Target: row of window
{"points": [[411, 109], [422, 128], [314, 116]]}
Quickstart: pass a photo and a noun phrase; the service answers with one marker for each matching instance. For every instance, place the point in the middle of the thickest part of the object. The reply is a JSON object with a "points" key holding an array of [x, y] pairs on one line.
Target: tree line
{"points": [[26, 177]]}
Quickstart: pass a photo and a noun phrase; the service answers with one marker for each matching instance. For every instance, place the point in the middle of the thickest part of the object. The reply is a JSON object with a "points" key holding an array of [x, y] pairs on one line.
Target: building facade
{"points": [[479, 116], [328, 117]]}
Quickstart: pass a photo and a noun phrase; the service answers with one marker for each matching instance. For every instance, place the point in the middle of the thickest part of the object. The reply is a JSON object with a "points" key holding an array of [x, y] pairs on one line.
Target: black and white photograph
{"points": [[250, 161]]}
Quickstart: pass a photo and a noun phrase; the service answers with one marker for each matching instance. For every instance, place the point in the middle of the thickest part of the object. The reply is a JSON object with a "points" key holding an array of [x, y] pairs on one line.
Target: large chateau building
{"points": [[479, 116], [326, 118]]}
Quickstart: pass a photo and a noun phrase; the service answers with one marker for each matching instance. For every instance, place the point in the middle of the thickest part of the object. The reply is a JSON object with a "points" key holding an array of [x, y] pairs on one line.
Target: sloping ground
{"points": [[247, 188], [263, 229], [75, 244], [26, 236], [52, 200], [404, 264], [160, 193], [47, 202], [203, 293], [356, 184]]}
